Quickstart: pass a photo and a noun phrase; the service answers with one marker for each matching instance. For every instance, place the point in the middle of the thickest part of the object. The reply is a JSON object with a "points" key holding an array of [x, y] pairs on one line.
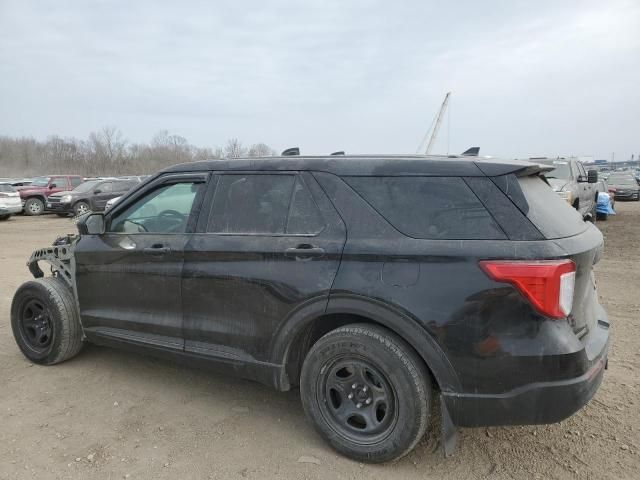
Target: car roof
{"points": [[368, 165]]}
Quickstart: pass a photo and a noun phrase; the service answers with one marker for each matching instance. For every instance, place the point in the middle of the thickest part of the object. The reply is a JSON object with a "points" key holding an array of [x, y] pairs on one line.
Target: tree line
{"points": [[107, 152]]}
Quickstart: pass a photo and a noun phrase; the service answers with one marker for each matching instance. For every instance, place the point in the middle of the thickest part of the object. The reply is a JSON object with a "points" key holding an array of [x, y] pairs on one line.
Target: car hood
{"points": [[557, 183], [61, 194], [617, 186]]}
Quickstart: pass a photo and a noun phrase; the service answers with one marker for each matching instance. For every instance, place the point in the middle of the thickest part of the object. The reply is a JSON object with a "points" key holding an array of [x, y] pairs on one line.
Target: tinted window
{"points": [[428, 207], [552, 215], [304, 216], [251, 204], [164, 210], [75, 181], [5, 187]]}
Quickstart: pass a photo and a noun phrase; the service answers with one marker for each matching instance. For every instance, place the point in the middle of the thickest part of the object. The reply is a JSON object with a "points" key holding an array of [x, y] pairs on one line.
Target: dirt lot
{"points": [[110, 414]]}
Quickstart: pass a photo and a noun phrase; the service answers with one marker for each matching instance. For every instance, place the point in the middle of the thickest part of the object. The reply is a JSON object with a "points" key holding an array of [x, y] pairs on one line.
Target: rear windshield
{"points": [[552, 215], [442, 208], [562, 170], [5, 187]]}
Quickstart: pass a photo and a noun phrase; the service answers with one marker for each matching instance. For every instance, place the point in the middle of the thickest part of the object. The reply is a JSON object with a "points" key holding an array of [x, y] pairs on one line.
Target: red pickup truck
{"points": [[35, 195]]}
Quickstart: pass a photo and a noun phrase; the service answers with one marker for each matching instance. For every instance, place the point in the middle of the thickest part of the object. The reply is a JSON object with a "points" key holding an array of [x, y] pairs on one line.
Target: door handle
{"points": [[304, 251], [156, 250]]}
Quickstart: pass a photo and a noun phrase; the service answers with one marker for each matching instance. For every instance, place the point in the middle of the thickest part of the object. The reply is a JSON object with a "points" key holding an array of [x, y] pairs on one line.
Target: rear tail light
{"points": [[547, 284]]}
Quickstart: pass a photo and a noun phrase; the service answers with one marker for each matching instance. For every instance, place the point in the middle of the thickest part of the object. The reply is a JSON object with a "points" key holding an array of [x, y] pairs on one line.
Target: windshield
{"points": [[622, 180], [562, 170], [86, 186], [40, 182]]}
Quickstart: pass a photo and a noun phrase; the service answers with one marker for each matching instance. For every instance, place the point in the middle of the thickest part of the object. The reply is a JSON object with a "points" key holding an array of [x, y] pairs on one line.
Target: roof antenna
{"points": [[471, 152], [289, 152], [341, 152]]}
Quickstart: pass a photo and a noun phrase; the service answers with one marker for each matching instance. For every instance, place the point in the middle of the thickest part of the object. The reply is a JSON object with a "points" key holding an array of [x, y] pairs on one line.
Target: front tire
{"points": [[33, 206], [367, 393], [45, 321], [81, 208]]}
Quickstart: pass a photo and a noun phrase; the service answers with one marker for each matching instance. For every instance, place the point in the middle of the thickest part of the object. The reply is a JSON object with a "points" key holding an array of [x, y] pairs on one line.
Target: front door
{"points": [[269, 247], [128, 278]]}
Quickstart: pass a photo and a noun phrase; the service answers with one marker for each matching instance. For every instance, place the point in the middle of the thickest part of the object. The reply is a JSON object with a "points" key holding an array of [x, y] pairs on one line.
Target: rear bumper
{"points": [[535, 403]]}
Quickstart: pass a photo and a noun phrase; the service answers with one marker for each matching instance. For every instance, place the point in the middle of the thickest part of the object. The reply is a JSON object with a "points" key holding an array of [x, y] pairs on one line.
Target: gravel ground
{"points": [[111, 414]]}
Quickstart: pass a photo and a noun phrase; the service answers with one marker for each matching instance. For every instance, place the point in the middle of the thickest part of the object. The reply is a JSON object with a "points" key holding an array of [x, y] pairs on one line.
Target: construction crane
{"points": [[435, 126]]}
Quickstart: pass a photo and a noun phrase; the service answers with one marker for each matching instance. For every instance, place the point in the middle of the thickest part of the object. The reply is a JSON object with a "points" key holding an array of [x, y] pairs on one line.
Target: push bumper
{"points": [[535, 403]]}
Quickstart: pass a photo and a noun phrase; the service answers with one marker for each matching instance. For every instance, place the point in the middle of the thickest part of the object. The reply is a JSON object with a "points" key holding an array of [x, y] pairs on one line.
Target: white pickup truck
{"points": [[574, 184]]}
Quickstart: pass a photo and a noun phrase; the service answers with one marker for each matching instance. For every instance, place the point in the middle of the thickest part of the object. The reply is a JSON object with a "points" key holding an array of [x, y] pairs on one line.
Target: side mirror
{"points": [[53, 185], [97, 191], [92, 225], [592, 176]]}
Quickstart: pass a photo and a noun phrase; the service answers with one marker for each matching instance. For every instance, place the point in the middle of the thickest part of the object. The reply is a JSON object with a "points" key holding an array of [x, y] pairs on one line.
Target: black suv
{"points": [[92, 195], [376, 284]]}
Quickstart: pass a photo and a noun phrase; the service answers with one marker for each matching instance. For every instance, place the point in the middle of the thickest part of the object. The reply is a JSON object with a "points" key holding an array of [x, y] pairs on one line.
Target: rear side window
{"points": [[263, 204], [251, 204], [75, 181], [5, 187], [439, 208], [552, 215]]}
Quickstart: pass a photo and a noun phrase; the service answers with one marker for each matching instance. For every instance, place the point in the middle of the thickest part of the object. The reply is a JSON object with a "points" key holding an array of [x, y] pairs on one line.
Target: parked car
{"points": [[574, 184], [606, 200], [9, 201], [88, 196], [625, 185], [379, 285], [34, 196]]}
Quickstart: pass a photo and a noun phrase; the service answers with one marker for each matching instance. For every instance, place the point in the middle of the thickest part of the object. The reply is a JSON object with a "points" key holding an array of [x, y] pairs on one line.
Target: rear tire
{"points": [[367, 393], [45, 321], [4, 217], [33, 206]]}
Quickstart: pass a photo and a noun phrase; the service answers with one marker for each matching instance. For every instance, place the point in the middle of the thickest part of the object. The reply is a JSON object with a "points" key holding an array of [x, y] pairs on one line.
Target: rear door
{"points": [[269, 247]]}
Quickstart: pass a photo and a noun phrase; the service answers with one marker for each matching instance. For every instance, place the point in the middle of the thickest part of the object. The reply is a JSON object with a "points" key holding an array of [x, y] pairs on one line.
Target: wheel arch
{"points": [[303, 329]]}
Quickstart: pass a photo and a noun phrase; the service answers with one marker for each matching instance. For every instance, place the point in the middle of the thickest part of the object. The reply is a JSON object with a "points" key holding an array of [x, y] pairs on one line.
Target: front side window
{"points": [[75, 181], [106, 187], [59, 182], [163, 210]]}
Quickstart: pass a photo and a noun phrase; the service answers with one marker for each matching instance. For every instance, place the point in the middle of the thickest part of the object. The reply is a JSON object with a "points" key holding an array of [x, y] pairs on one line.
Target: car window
{"points": [[581, 169], [163, 210], [123, 186], [60, 182], [5, 187], [105, 187], [253, 203], [561, 170], [304, 215], [75, 181], [429, 207]]}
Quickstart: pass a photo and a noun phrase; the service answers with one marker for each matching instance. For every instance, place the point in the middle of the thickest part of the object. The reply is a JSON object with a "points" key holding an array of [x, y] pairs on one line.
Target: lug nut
{"points": [[354, 386], [368, 401], [364, 389], [350, 396], [358, 405]]}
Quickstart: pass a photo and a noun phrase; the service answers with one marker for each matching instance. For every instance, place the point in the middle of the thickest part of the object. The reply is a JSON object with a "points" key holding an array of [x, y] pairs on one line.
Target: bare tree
{"points": [[261, 150], [234, 149]]}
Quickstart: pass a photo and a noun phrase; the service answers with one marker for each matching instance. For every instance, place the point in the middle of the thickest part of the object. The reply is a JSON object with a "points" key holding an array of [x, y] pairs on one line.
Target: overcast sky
{"points": [[528, 77]]}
